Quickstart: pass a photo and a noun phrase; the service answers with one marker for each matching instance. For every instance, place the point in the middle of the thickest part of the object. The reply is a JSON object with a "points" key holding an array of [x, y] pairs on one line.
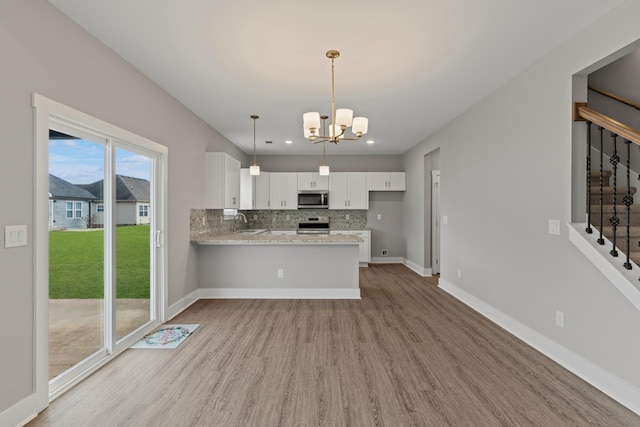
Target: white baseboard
{"points": [[386, 260], [278, 293], [20, 414], [424, 272], [182, 305], [626, 281], [604, 381]]}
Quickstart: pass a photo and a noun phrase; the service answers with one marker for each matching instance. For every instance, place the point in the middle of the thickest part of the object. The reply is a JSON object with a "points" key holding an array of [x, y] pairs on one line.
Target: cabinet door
{"points": [[283, 188], [338, 190], [310, 181], [231, 182], [276, 191], [222, 186], [321, 182], [387, 181], [306, 181], [358, 193], [261, 191], [364, 247], [377, 181], [247, 190], [397, 181], [290, 191]]}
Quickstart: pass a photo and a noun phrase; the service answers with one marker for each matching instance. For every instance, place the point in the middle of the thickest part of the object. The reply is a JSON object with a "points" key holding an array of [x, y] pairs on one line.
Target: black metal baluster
{"points": [[589, 230], [614, 220], [628, 201], [601, 239]]}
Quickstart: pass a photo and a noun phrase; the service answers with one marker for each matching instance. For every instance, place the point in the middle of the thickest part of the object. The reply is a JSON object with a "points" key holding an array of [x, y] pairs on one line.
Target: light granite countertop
{"points": [[267, 238]]}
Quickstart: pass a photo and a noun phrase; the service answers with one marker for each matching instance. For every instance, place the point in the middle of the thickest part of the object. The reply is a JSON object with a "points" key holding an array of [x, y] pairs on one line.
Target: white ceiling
{"points": [[410, 66]]}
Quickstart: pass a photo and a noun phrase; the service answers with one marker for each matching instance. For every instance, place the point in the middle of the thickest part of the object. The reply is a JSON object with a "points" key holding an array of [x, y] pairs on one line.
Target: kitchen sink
{"points": [[251, 231]]}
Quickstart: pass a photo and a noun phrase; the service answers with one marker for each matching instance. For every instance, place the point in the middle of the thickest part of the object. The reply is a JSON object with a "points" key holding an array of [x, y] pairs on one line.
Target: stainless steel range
{"points": [[314, 225]]}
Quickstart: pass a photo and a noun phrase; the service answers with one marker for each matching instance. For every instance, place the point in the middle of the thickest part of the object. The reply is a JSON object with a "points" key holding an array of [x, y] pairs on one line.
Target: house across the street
{"points": [[69, 204], [77, 206], [133, 201]]}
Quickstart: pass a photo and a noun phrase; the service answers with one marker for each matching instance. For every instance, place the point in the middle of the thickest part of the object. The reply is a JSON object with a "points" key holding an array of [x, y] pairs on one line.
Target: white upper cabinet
{"points": [[254, 190], [222, 187], [387, 181], [283, 190], [348, 190], [309, 181]]}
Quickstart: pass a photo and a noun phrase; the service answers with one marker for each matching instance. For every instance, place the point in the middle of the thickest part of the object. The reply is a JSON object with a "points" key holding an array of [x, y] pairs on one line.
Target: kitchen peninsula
{"points": [[263, 264]]}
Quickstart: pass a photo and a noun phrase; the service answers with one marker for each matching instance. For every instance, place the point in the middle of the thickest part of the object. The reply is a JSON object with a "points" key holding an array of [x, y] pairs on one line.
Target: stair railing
{"points": [[629, 135]]}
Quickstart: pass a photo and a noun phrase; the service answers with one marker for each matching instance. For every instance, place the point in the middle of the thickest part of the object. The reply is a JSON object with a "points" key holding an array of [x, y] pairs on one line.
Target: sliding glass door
{"points": [[104, 248]]}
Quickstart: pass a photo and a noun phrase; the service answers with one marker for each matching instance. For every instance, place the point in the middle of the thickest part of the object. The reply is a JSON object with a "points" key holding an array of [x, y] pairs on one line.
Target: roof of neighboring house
{"points": [[128, 189], [61, 189]]}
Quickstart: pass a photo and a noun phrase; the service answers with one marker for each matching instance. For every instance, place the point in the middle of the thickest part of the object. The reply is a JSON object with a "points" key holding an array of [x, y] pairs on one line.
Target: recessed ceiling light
{"points": [[288, 141], [371, 141]]}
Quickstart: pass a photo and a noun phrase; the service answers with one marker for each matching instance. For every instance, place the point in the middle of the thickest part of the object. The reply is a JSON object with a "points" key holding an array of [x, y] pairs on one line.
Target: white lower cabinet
{"points": [[364, 246]]}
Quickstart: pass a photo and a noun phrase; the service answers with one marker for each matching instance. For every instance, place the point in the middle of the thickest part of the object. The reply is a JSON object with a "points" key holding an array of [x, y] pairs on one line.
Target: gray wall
{"points": [[43, 51], [386, 233], [506, 170]]}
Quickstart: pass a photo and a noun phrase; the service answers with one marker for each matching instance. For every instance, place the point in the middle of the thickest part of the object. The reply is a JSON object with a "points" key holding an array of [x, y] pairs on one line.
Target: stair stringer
{"points": [[626, 281]]}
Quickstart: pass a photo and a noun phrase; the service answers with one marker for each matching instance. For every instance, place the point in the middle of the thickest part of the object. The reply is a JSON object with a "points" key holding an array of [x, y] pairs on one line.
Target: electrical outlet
{"points": [[384, 252], [204, 220], [280, 273], [445, 219], [559, 319], [255, 217], [554, 226], [459, 273], [346, 217], [379, 217], [288, 217]]}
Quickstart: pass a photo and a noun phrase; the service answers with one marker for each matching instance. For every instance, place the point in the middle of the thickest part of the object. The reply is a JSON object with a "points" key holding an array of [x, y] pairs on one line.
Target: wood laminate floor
{"points": [[407, 354]]}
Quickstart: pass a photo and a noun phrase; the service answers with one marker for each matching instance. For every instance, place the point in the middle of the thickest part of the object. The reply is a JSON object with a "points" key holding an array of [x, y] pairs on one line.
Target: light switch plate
{"points": [[554, 226], [15, 236]]}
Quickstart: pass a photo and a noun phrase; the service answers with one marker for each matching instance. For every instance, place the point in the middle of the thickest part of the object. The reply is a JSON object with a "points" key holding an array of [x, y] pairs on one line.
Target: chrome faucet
{"points": [[235, 224]]}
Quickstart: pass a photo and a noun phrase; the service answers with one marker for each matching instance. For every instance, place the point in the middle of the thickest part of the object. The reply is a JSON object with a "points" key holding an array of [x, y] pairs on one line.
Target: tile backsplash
{"points": [[288, 220], [211, 221]]}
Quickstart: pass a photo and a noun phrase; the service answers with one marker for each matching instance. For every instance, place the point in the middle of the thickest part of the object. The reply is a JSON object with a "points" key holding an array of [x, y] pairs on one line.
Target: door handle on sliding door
{"points": [[157, 238]]}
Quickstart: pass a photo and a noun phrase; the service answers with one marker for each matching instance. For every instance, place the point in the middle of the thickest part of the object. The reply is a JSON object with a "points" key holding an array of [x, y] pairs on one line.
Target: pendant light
{"points": [[254, 169], [324, 169]]}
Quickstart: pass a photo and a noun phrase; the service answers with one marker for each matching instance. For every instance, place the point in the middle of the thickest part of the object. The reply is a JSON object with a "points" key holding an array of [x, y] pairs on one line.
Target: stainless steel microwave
{"points": [[313, 200]]}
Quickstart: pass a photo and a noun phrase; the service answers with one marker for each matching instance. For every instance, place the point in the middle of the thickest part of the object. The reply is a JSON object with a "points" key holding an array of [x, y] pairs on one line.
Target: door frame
{"points": [[47, 111], [435, 221]]}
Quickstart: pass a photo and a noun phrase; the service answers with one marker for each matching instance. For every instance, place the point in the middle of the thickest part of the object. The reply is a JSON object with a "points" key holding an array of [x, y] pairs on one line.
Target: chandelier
{"points": [[254, 169], [341, 119]]}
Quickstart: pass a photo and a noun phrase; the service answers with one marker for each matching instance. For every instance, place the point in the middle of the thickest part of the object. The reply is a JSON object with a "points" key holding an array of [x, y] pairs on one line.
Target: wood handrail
{"points": [[615, 97], [610, 124]]}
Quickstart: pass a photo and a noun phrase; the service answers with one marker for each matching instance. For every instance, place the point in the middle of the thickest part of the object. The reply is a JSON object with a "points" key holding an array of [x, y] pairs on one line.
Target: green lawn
{"points": [[76, 263]]}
